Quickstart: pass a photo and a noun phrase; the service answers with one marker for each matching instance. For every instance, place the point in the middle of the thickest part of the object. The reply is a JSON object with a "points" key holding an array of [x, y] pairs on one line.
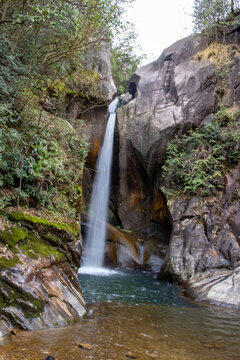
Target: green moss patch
{"points": [[11, 237], [51, 238], [20, 217], [35, 247], [6, 263]]}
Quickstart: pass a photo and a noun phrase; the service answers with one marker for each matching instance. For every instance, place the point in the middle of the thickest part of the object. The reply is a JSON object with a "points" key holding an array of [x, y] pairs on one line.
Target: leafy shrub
{"points": [[44, 51], [47, 161], [11, 69], [195, 162]]}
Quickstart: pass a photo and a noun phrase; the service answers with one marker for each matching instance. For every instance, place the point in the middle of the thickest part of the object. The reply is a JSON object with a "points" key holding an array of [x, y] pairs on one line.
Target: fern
{"points": [[195, 162]]}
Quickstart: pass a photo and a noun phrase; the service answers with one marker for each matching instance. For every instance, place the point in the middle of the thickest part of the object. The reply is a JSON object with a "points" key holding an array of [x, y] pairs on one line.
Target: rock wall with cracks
{"points": [[182, 90]]}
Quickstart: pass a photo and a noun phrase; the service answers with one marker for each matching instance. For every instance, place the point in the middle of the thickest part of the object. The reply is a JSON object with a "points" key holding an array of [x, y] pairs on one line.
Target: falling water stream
{"points": [[96, 234]]}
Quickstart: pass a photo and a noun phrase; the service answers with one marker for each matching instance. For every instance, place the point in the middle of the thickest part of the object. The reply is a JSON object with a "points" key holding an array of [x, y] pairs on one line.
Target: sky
{"points": [[159, 23]]}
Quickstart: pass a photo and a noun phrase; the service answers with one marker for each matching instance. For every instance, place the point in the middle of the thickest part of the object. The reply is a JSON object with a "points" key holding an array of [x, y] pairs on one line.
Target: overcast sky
{"points": [[160, 23]]}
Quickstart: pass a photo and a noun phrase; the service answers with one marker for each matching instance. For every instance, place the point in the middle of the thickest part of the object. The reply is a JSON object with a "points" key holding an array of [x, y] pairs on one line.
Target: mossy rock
{"points": [[6, 263], [12, 236], [60, 227], [10, 296], [35, 247]]}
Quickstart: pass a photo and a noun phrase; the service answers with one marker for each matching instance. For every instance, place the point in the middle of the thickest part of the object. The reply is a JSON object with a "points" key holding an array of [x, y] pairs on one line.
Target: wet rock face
{"points": [[38, 283], [95, 122], [90, 114], [38, 294], [139, 202], [205, 244]]}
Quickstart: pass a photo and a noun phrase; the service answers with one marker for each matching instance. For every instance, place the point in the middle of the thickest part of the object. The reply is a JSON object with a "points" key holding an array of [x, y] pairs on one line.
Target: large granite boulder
{"points": [[217, 287], [171, 93], [181, 89]]}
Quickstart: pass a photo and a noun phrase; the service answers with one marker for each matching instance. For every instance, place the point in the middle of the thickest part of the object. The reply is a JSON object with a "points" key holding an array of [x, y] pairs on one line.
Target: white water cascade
{"points": [[96, 230]]}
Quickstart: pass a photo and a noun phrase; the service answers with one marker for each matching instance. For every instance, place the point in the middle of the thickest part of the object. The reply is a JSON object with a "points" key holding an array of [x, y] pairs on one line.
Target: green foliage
{"points": [[12, 236], [11, 68], [125, 61], [195, 162], [51, 162], [44, 48], [46, 32], [210, 14], [213, 15]]}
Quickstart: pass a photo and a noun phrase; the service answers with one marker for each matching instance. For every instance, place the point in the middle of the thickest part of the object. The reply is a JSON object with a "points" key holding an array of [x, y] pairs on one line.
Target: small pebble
{"points": [[220, 346], [209, 346], [153, 354], [85, 347], [131, 355]]}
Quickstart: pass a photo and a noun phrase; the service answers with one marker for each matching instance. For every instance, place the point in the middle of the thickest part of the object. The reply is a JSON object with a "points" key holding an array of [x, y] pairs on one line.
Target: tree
{"points": [[212, 15], [47, 31], [125, 61]]}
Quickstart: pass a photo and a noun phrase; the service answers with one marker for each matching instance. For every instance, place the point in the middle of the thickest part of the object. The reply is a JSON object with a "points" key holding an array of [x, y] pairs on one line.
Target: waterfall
{"points": [[141, 253], [98, 213]]}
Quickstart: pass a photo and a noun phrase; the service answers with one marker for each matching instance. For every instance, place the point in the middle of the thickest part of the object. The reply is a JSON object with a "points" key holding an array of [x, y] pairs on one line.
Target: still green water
{"points": [[133, 312]]}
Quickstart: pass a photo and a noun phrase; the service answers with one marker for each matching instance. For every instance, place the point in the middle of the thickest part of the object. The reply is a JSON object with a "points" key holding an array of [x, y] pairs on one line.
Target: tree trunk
{"points": [[4, 10]]}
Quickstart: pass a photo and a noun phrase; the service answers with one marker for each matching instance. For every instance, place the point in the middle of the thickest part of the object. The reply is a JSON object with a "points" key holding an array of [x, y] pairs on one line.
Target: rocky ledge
{"points": [[38, 283]]}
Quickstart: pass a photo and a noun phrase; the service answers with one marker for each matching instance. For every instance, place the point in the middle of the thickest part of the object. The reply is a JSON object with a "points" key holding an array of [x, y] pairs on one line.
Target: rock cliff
{"points": [[182, 90]]}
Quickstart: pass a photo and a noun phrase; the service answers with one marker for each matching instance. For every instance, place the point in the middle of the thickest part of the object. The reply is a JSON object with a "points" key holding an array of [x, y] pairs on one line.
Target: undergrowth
{"points": [[196, 162], [41, 155]]}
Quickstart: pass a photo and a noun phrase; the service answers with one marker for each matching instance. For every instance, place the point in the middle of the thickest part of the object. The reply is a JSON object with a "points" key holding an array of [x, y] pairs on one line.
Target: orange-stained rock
{"points": [[158, 209], [85, 347], [122, 247], [131, 355]]}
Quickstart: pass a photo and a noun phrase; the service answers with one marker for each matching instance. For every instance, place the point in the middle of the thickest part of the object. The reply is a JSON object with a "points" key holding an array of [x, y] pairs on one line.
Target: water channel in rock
{"points": [[130, 311]]}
